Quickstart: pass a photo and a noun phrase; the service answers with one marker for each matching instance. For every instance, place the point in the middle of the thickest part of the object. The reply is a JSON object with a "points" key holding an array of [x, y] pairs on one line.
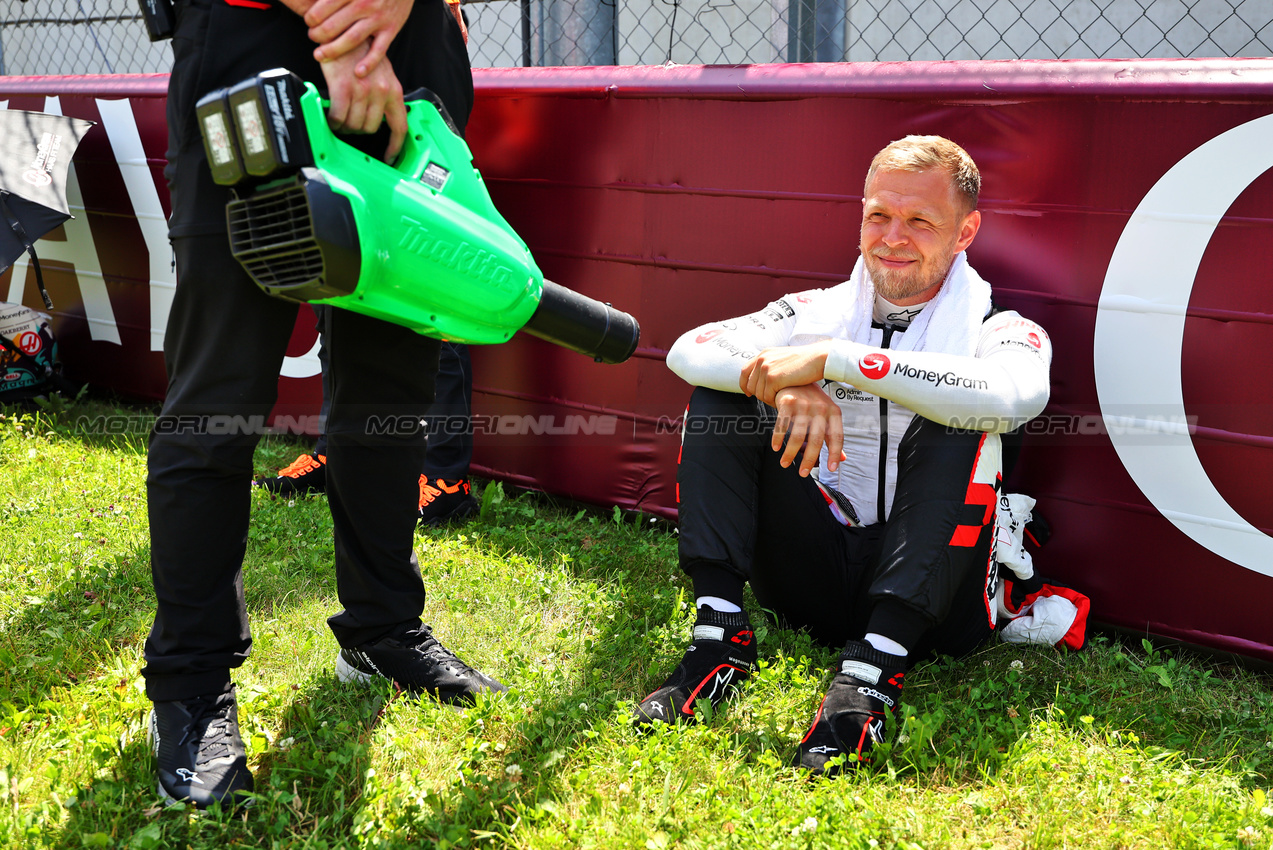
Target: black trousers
{"points": [[449, 423], [740, 510], [223, 349]]}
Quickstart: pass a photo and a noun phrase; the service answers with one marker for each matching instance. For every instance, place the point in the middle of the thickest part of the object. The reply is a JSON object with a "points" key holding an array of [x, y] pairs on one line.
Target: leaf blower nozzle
{"points": [[582, 324], [418, 243]]}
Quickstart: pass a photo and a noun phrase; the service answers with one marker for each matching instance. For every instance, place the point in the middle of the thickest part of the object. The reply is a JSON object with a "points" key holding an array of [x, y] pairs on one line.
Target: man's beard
{"points": [[898, 284]]}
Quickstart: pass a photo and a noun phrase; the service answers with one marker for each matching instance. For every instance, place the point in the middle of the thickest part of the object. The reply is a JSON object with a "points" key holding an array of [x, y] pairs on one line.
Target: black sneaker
{"points": [[721, 658], [198, 751], [445, 501], [865, 692], [306, 474], [418, 663]]}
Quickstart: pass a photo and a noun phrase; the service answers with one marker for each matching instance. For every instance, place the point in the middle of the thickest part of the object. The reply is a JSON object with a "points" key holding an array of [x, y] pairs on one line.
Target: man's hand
{"points": [[777, 368], [359, 105], [342, 26], [812, 419]]}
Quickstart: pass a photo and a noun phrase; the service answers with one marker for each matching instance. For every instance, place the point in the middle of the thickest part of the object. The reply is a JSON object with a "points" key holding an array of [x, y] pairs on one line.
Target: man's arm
{"points": [[340, 26], [719, 356], [360, 102], [1003, 386], [713, 355]]}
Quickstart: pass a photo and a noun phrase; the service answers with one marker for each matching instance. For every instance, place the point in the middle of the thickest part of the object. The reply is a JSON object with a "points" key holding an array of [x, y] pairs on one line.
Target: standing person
{"points": [[907, 374], [224, 347], [446, 495]]}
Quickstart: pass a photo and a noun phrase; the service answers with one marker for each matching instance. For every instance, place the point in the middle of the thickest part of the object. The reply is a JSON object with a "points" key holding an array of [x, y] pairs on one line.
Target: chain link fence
{"points": [[108, 37]]}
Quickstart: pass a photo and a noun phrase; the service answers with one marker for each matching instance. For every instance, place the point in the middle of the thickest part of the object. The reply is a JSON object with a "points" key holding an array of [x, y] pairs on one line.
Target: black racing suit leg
{"points": [[740, 509], [935, 558]]}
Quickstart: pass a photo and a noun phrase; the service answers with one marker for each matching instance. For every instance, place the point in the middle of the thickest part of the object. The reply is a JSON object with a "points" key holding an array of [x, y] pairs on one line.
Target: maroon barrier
{"points": [[1127, 208]]}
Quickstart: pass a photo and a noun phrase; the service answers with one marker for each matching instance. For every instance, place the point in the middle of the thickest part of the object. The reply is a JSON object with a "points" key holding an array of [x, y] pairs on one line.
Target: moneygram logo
{"points": [[1034, 339], [874, 366], [707, 336]]}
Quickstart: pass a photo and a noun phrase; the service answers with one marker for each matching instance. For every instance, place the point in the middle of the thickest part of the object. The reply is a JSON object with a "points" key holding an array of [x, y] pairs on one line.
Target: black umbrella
{"points": [[35, 151]]}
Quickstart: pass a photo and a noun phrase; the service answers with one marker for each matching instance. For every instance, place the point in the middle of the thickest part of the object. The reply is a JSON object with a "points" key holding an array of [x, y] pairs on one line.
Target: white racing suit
{"points": [[907, 519]]}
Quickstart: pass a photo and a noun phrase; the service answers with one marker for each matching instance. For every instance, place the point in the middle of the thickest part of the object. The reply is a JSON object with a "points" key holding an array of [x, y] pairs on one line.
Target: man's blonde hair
{"points": [[920, 153]]}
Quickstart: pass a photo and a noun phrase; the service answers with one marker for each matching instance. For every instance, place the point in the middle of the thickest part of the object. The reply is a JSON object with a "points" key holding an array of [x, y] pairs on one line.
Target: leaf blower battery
{"points": [[418, 243]]}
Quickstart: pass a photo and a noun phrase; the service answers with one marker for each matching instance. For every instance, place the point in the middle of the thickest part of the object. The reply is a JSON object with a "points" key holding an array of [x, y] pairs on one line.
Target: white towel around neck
{"points": [[950, 323]]}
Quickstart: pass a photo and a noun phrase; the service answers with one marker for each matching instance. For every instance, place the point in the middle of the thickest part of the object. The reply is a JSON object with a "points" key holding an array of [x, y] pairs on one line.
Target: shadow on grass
{"points": [[309, 788], [63, 635], [66, 635], [966, 713]]}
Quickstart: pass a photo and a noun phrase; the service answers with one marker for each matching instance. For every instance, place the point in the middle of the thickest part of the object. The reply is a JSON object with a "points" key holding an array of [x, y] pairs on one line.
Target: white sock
{"points": [[715, 602], [884, 644]]}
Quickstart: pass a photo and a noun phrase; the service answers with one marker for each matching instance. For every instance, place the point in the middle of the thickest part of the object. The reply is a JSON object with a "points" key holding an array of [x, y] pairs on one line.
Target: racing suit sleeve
{"points": [[1004, 385], [713, 355]]}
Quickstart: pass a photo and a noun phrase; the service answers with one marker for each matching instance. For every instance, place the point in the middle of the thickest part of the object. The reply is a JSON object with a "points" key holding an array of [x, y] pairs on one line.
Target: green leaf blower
{"points": [[418, 243]]}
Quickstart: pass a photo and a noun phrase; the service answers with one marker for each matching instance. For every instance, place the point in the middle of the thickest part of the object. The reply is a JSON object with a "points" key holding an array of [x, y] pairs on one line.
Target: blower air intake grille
{"points": [[297, 240], [272, 236]]}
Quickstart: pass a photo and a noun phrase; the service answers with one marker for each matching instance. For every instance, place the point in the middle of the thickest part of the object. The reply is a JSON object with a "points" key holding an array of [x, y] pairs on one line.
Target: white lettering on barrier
{"points": [[121, 130], [1140, 327], [80, 249]]}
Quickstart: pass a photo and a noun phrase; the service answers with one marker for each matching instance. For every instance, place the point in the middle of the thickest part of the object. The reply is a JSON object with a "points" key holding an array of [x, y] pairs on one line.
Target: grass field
{"points": [[580, 612]]}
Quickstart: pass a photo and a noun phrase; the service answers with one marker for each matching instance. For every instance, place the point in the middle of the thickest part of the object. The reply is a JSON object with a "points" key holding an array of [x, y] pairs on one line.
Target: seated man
{"points": [[907, 374]]}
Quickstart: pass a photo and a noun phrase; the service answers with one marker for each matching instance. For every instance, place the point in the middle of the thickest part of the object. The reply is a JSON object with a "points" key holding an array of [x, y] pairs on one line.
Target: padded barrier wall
{"points": [[1127, 207]]}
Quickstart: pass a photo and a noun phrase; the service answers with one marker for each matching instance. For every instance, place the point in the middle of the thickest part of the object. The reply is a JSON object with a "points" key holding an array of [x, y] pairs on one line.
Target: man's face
{"points": [[912, 227]]}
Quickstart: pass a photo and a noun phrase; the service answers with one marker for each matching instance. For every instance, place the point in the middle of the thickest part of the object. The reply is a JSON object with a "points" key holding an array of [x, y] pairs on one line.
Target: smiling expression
{"points": [[913, 225]]}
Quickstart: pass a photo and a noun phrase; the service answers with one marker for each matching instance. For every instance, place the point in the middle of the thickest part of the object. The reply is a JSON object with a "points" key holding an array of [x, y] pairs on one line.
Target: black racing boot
{"points": [[863, 695], [720, 658]]}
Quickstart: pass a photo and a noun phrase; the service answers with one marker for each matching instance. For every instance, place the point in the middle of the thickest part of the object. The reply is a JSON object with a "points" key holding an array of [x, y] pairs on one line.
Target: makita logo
{"points": [[871, 692], [939, 378], [459, 256], [276, 118], [287, 101]]}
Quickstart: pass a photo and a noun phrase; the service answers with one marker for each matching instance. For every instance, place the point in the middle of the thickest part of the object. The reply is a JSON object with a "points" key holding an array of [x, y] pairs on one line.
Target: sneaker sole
{"points": [[347, 673]]}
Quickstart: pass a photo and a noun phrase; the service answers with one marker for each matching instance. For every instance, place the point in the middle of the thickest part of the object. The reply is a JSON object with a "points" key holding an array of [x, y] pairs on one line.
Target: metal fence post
{"points": [[576, 32], [815, 30]]}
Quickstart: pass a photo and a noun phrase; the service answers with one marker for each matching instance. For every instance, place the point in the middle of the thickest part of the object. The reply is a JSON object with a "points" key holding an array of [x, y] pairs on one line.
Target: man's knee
{"points": [[933, 455], [719, 416]]}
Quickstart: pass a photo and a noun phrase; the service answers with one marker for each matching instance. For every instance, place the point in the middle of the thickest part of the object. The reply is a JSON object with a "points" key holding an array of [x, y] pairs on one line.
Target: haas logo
{"points": [[874, 366], [707, 336], [37, 177], [30, 342]]}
